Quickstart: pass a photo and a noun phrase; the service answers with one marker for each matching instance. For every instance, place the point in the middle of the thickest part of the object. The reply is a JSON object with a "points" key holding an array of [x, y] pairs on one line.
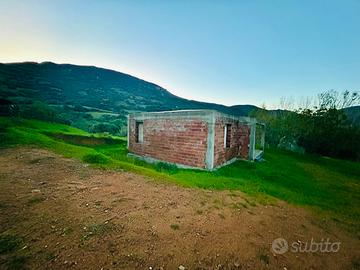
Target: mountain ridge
{"points": [[89, 95], [123, 87]]}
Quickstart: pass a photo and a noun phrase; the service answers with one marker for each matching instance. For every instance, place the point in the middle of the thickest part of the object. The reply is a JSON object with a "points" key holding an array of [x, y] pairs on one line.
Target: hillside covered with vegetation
{"points": [[90, 98], [98, 100]]}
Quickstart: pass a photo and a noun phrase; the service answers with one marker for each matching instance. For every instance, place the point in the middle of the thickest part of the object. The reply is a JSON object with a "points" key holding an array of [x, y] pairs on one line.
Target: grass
{"points": [[96, 229], [331, 187], [175, 227], [355, 264], [67, 231], [17, 262], [98, 115], [3, 205], [264, 258], [167, 168], [9, 243], [95, 159], [9, 247], [35, 200]]}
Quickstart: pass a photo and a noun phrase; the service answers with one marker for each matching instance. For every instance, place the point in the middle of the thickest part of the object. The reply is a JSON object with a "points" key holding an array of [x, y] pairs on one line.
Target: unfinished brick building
{"points": [[204, 139]]}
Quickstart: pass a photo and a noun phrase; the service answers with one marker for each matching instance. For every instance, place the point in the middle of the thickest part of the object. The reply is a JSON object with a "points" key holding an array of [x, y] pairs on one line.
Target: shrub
{"points": [[166, 167], [41, 111], [175, 226], [323, 129], [104, 127], [17, 262], [9, 243], [95, 159]]}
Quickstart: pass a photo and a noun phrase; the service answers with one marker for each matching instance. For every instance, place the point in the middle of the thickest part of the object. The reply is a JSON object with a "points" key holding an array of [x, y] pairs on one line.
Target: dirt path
{"points": [[73, 216]]}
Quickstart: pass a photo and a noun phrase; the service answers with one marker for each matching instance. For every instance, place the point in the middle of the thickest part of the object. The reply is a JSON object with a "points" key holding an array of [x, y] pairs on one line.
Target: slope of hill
{"points": [[65, 84], [243, 109], [353, 114], [97, 99]]}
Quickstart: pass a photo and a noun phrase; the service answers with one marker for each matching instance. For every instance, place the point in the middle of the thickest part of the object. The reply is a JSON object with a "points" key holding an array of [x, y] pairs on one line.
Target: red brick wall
{"points": [[240, 135], [181, 141]]}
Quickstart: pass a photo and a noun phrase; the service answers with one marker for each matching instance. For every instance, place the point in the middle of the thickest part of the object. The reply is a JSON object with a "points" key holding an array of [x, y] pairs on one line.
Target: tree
{"points": [[335, 100], [38, 110], [41, 111], [322, 128], [104, 127]]}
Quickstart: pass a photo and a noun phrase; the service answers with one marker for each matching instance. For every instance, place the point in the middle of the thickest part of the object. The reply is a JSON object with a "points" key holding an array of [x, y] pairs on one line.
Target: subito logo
{"points": [[280, 246]]}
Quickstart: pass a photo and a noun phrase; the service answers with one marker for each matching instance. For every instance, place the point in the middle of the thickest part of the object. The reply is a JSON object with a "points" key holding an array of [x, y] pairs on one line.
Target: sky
{"points": [[228, 52]]}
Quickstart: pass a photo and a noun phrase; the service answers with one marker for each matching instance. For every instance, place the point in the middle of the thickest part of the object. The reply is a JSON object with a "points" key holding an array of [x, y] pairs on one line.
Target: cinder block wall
{"points": [[182, 141], [240, 135]]}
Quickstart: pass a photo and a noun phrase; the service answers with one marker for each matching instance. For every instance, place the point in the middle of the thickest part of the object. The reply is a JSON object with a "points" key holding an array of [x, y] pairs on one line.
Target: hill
{"points": [[353, 114], [89, 86], [96, 99], [91, 98]]}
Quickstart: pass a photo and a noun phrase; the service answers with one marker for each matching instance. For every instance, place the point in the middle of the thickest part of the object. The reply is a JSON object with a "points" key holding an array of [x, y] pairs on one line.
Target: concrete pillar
{"points": [[252, 141], [209, 159]]}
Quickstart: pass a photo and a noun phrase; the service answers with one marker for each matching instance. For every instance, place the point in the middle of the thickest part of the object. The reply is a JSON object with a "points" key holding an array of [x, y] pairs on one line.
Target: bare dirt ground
{"points": [[76, 217]]}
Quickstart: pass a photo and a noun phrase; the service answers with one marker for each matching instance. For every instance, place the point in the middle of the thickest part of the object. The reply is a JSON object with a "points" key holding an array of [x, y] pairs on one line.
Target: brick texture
{"points": [[181, 141], [240, 135]]}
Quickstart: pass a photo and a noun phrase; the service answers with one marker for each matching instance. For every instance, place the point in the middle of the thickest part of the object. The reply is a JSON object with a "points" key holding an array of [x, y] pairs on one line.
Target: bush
{"points": [[166, 167], [95, 159], [9, 243], [8, 108], [41, 111], [104, 127], [38, 110], [323, 130], [329, 133]]}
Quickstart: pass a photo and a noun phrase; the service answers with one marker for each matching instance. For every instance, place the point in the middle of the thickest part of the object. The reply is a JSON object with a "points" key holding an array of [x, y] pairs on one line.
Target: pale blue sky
{"points": [[229, 52]]}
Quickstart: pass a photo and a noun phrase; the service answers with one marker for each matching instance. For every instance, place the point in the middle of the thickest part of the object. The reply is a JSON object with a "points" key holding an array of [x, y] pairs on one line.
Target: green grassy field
{"points": [[328, 186]]}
